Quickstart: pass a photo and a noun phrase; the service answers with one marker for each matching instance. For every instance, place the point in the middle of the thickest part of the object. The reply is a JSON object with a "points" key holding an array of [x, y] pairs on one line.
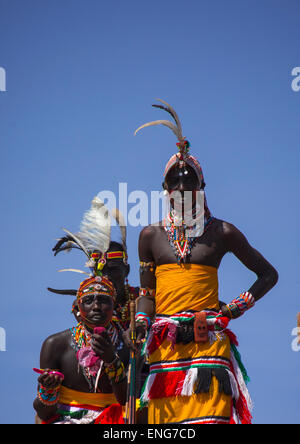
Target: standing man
{"points": [[194, 378]]}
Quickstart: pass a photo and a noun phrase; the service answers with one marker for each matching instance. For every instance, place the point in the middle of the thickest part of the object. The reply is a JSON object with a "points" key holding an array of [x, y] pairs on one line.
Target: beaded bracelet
{"points": [[143, 319], [48, 397], [240, 304], [115, 371], [147, 292], [147, 265]]}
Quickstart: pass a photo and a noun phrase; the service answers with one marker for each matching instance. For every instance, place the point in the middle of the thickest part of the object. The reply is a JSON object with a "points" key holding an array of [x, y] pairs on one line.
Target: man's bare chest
{"points": [[207, 249]]}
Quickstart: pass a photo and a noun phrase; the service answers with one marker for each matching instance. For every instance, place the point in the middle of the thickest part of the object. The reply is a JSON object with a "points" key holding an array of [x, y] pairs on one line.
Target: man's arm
{"points": [[145, 306], [113, 365], [146, 300], [237, 243], [48, 361]]}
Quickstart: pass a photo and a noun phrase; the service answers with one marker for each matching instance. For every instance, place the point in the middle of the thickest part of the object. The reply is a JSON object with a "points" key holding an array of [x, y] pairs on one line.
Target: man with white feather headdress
{"points": [[82, 377]]}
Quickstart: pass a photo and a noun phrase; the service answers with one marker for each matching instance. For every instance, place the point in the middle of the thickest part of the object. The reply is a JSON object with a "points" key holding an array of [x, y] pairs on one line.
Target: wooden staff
{"points": [[131, 408]]}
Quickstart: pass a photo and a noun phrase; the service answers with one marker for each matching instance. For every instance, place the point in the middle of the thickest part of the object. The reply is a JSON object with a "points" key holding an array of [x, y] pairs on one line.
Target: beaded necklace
{"points": [[82, 338], [181, 243]]}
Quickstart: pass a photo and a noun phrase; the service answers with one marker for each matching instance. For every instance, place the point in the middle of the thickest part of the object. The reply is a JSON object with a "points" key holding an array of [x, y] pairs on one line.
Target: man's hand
{"points": [[140, 334], [103, 347], [49, 380], [225, 311]]}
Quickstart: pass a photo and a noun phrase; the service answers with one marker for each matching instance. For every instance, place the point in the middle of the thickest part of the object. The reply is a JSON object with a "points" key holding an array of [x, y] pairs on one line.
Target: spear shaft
{"points": [[132, 366]]}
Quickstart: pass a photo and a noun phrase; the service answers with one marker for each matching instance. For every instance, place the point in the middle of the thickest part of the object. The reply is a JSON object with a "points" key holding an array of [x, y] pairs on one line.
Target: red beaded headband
{"points": [[96, 285]]}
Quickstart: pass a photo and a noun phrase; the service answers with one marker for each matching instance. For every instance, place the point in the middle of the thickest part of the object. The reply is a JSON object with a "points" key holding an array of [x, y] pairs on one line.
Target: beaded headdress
{"points": [[181, 237], [96, 285]]}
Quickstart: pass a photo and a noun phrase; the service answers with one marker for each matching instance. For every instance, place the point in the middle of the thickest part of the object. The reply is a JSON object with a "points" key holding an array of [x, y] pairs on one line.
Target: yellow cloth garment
{"points": [[180, 288], [76, 398], [206, 407], [185, 287]]}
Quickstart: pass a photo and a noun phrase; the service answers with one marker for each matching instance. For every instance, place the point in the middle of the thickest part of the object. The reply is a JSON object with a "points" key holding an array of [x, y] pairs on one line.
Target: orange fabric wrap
{"points": [[76, 398], [186, 287]]}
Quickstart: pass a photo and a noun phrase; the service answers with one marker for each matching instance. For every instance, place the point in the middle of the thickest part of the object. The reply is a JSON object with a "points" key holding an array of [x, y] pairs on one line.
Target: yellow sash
{"points": [[186, 287], [76, 398]]}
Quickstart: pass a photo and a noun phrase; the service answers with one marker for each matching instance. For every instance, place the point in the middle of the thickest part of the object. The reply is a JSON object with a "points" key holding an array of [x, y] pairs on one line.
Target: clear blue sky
{"points": [[81, 76]]}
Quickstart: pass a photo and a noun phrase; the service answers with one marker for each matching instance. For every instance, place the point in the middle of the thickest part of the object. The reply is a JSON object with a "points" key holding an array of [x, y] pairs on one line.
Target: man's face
{"points": [[116, 271], [182, 179], [96, 309]]}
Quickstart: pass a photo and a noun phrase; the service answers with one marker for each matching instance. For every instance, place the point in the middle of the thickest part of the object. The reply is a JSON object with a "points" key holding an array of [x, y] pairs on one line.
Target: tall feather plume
{"points": [[160, 122], [78, 241], [173, 113], [116, 214], [177, 129], [95, 227], [65, 244]]}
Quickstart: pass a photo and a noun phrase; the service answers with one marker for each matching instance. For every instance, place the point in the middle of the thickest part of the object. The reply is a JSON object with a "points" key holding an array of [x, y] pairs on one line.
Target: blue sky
{"points": [[80, 78]]}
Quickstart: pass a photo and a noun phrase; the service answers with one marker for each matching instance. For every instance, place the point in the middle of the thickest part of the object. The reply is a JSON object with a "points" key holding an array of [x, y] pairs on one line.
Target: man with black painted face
{"points": [[83, 379], [116, 268], [196, 375]]}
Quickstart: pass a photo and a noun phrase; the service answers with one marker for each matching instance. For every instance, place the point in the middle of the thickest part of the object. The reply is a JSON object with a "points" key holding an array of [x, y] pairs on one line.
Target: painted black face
{"points": [[181, 179], [116, 271], [182, 185], [96, 309]]}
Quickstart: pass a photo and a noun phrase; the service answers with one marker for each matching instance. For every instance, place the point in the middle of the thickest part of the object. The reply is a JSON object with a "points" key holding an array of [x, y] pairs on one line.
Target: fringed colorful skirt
{"points": [[194, 383]]}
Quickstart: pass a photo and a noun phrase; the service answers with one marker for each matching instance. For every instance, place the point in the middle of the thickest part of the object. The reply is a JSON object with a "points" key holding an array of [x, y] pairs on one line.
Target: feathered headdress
{"points": [[183, 145], [93, 239]]}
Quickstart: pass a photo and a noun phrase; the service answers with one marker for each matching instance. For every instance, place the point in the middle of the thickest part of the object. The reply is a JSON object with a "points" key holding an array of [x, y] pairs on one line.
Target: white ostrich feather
{"points": [[95, 227]]}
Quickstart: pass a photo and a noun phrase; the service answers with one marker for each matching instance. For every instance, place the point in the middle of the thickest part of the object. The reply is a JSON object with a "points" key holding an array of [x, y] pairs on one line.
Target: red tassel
{"points": [[243, 411], [157, 339], [111, 415], [167, 384], [232, 337]]}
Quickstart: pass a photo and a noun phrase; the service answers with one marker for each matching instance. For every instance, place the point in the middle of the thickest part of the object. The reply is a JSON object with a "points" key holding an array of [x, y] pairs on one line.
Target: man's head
{"points": [[115, 268], [95, 300], [182, 184], [181, 178]]}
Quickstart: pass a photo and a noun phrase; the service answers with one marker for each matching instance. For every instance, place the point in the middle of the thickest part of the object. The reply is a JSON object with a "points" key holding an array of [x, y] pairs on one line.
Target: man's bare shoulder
{"points": [[231, 236], [225, 228], [151, 230], [57, 341]]}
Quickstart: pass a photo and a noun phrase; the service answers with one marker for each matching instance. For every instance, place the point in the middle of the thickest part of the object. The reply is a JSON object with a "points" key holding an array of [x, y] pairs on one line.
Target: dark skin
{"points": [[117, 271], [220, 238], [57, 353]]}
